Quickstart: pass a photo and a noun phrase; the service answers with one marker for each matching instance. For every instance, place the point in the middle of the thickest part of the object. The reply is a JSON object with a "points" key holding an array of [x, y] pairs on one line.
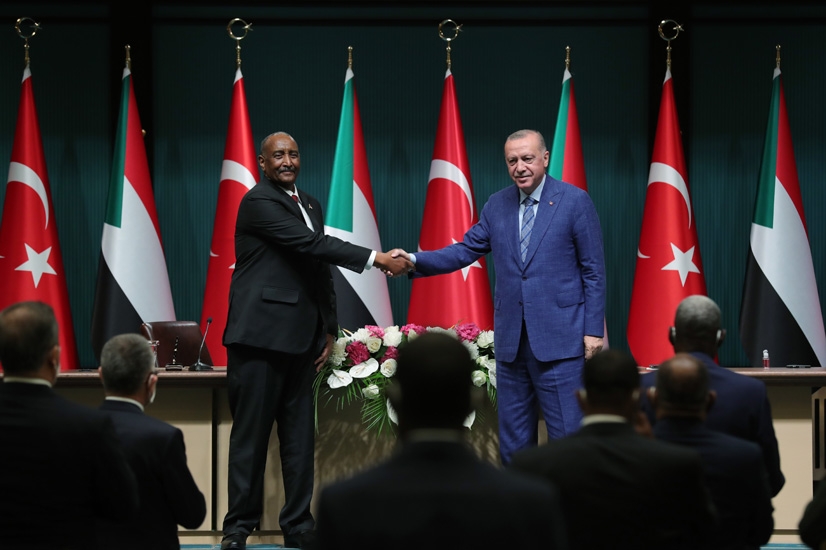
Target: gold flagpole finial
{"points": [[568, 58], [777, 56], [34, 26], [128, 49], [350, 57], [247, 28], [676, 32], [449, 39]]}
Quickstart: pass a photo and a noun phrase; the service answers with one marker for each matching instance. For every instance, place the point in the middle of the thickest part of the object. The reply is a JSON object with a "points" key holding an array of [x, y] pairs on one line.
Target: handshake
{"points": [[394, 263]]}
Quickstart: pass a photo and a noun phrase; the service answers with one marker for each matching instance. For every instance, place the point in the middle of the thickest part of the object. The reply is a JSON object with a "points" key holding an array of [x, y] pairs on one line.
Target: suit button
{"points": [[520, 302], [524, 278]]}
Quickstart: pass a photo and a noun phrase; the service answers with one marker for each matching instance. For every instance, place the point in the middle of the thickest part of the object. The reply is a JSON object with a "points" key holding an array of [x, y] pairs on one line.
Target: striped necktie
{"points": [[527, 225]]}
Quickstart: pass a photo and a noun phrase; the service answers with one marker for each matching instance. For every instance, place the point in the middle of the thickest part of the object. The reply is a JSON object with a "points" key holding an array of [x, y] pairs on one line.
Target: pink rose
{"points": [[467, 331], [391, 353], [418, 329], [378, 332], [357, 352]]}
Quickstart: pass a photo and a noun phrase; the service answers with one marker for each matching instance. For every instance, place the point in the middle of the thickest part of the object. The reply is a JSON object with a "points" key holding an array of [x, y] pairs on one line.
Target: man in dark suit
{"points": [[281, 322], [742, 406], [61, 467], [155, 450], [620, 489], [549, 301], [434, 492], [812, 526], [733, 467]]}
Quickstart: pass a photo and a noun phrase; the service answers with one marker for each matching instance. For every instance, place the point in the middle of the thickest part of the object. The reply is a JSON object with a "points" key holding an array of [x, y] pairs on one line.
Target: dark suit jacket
{"points": [[560, 288], [742, 409], [168, 494], [61, 468], [438, 495], [812, 525], [281, 287], [736, 478], [621, 490]]}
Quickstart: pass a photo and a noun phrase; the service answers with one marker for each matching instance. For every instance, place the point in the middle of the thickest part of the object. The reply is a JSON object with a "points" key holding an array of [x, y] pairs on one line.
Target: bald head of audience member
{"points": [[29, 341], [611, 385], [697, 326], [127, 368], [682, 388], [432, 388]]}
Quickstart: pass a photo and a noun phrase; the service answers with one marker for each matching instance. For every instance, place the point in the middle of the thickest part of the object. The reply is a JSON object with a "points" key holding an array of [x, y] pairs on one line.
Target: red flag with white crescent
{"points": [[239, 173], [449, 211], [31, 265], [669, 267]]}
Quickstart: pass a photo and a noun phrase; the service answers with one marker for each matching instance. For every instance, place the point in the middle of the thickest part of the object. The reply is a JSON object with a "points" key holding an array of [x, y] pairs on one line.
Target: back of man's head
{"points": [[126, 361], [28, 337], [611, 380], [682, 387], [432, 387], [697, 326]]}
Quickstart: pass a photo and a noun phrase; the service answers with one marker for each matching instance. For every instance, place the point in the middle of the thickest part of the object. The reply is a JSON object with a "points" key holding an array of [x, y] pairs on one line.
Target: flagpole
{"points": [[247, 28], [676, 32], [35, 26], [777, 56], [449, 39]]}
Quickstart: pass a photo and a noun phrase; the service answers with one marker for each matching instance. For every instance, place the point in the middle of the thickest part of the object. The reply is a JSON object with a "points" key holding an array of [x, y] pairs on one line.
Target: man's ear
{"points": [[672, 335], [721, 335]]}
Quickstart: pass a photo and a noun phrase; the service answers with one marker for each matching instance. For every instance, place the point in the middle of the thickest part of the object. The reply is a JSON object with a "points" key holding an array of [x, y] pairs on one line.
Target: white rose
{"points": [[485, 339], [363, 370], [388, 368], [392, 337], [412, 335], [479, 378], [490, 364], [371, 391], [338, 353], [440, 330], [339, 379], [361, 335], [373, 344]]}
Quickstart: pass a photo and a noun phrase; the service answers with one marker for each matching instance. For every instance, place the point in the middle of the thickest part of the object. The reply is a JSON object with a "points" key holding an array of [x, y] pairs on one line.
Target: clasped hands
{"points": [[394, 263]]}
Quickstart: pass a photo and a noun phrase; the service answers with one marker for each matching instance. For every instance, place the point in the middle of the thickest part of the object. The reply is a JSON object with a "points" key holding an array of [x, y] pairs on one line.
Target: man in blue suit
{"points": [[549, 301]]}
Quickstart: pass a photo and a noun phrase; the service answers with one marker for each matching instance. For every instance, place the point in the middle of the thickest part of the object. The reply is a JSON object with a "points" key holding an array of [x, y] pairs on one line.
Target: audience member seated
{"points": [[168, 495], [812, 526], [733, 467], [61, 467], [742, 408], [620, 489], [435, 493]]}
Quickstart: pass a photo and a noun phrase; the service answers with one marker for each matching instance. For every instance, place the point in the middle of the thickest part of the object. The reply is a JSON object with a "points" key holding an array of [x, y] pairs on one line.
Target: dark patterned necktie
{"points": [[527, 225]]}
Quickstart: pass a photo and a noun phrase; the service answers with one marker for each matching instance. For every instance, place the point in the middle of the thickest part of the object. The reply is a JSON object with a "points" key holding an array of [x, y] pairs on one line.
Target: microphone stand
{"points": [[200, 365]]}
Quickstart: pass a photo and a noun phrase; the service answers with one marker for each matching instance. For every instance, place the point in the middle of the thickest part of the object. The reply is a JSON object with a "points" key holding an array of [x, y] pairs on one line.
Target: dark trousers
{"points": [[267, 387]]}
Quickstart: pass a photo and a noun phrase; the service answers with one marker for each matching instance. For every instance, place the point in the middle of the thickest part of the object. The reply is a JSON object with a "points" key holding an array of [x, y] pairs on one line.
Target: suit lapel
{"points": [[547, 207]]}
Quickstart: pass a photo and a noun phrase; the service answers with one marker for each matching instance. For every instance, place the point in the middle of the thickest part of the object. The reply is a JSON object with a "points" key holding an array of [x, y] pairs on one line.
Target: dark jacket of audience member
{"points": [[619, 489], [434, 492], [61, 466], [733, 467]]}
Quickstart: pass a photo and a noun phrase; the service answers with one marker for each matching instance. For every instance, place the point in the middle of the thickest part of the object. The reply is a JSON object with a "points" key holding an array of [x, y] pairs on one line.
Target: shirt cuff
{"points": [[371, 259], [412, 257]]}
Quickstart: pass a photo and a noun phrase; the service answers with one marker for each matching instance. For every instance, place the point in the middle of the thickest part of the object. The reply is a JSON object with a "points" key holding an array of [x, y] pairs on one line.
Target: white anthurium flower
{"points": [[490, 363], [471, 348], [492, 378], [371, 391], [391, 413], [363, 370], [373, 344], [339, 379], [479, 378], [469, 420], [392, 337], [388, 368], [485, 339]]}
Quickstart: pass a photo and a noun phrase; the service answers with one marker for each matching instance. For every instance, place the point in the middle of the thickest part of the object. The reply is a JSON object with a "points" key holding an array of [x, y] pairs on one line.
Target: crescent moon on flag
{"points": [[446, 170], [25, 175], [663, 173], [235, 171]]}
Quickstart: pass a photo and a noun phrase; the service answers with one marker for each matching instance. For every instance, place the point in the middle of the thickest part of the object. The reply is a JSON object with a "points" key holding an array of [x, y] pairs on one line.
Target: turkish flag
{"points": [[239, 173], [31, 266], [669, 267], [449, 211]]}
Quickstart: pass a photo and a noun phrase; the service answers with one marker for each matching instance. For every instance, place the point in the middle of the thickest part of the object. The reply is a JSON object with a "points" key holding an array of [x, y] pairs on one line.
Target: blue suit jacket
{"points": [[559, 290], [742, 409]]}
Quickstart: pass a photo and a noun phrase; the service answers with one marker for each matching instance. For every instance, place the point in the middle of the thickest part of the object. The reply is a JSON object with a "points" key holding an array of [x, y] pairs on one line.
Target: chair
{"points": [[189, 338]]}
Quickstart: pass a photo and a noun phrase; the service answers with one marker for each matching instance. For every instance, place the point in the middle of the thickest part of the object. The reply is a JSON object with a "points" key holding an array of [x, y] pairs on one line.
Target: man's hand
{"points": [[325, 353], [398, 252], [593, 345], [393, 266]]}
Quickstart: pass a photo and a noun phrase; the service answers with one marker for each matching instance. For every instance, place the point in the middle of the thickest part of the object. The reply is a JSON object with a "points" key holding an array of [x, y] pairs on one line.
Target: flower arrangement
{"points": [[362, 364]]}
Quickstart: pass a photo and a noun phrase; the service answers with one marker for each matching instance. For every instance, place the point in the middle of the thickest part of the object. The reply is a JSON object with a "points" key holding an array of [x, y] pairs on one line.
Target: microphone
{"points": [[199, 365]]}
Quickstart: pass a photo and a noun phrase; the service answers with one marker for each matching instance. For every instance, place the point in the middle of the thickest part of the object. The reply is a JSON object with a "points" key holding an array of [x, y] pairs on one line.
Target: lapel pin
{"points": [[551, 203]]}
